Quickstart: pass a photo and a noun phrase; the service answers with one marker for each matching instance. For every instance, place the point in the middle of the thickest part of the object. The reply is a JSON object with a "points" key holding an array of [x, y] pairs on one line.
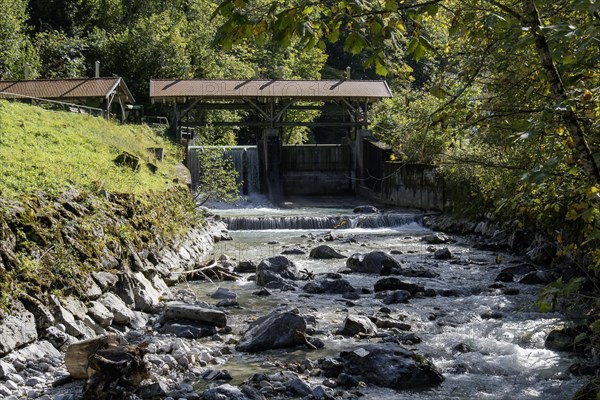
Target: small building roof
{"points": [[169, 89], [65, 89]]}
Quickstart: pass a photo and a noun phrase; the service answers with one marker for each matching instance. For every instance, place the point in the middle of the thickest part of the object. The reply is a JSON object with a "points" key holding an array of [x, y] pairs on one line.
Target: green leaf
{"points": [[412, 45], [419, 51], [380, 67], [391, 5]]}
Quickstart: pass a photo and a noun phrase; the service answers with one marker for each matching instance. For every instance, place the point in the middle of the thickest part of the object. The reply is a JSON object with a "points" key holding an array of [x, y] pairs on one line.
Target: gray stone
{"points": [[35, 380], [125, 290], [331, 286], [43, 316], [392, 283], [223, 293], [17, 329], [396, 297], [224, 392], [100, 314], [436, 238], [74, 306], [274, 331], [5, 369], [442, 254], [298, 387], [106, 280], [146, 297], [57, 337], [93, 325], [93, 290], [376, 262], [42, 349], [153, 390], [390, 365], [366, 210], [177, 311], [4, 391], [278, 269], [325, 252], [188, 330], [355, 324], [246, 267], [72, 327], [122, 314]]}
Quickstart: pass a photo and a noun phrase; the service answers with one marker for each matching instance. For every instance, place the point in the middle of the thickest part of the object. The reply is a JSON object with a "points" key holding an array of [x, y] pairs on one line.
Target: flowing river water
{"points": [[488, 343]]}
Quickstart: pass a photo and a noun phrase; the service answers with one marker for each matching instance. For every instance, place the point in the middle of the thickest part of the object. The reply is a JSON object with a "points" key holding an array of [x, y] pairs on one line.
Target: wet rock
{"points": [[331, 367], [391, 366], [376, 262], [293, 251], [245, 267], [568, 339], [521, 269], [492, 315], [216, 375], [504, 276], [155, 390], [442, 254], [279, 329], [176, 310], [320, 393], [355, 324], [278, 271], [462, 348], [223, 293], [436, 238], [366, 210], [298, 387], [262, 293], [17, 329], [329, 286], [395, 284], [511, 291], [535, 278], [389, 323], [396, 297], [325, 252], [6, 369], [188, 329], [225, 392], [58, 338]]}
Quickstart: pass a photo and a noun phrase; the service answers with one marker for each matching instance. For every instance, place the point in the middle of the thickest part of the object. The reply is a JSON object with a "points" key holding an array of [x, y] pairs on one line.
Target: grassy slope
{"points": [[49, 243], [50, 150]]}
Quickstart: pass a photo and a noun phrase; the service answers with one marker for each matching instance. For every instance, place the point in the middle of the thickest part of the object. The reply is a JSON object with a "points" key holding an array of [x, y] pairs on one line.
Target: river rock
{"points": [[324, 252], [245, 267], [442, 254], [535, 278], [274, 331], [396, 297], [145, 295], [391, 366], [376, 262], [436, 238], [568, 339], [293, 251], [43, 317], [223, 293], [17, 329], [225, 392], [176, 310], [329, 286], [392, 283], [277, 271], [366, 210], [355, 324], [6, 369]]}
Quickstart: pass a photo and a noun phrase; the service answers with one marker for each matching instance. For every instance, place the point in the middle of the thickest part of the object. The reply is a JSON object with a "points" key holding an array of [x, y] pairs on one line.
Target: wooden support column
{"points": [[270, 161]]}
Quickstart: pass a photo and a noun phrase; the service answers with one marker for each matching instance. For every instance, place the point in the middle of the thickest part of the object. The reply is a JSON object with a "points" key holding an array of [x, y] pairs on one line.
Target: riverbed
{"points": [[487, 341]]}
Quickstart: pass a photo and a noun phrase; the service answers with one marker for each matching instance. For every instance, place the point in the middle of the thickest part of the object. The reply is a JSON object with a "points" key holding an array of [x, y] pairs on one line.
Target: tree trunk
{"points": [[582, 150]]}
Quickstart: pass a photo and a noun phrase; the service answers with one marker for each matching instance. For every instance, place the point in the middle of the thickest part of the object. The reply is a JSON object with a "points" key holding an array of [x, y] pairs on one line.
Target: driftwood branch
{"points": [[211, 271]]}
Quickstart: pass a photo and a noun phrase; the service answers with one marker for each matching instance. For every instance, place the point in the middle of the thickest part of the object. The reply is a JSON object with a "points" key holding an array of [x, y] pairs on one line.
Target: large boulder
{"points": [[358, 324], [390, 365], [276, 272], [366, 210], [324, 252], [225, 392], [391, 283], [376, 262], [329, 286], [279, 329]]}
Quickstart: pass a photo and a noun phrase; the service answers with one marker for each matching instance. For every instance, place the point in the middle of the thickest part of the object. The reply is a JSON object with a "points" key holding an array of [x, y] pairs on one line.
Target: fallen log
{"points": [[210, 272]]}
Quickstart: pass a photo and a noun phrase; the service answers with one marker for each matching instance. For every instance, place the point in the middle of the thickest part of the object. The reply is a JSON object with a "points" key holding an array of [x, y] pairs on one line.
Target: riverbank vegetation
{"points": [[67, 208]]}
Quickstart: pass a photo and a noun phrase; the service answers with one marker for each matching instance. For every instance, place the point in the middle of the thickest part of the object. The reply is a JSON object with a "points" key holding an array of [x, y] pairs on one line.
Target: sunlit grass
{"points": [[49, 151]]}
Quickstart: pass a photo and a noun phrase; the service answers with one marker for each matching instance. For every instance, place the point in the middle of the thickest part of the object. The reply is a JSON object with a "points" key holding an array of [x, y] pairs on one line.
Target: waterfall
{"points": [[245, 162], [320, 222]]}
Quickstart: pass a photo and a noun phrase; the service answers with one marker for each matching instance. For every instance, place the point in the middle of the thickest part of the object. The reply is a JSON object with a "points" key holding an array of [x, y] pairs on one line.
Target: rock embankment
{"points": [[81, 265]]}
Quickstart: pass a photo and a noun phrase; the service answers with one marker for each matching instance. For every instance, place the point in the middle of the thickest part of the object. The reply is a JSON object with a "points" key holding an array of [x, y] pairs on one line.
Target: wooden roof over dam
{"points": [[305, 90]]}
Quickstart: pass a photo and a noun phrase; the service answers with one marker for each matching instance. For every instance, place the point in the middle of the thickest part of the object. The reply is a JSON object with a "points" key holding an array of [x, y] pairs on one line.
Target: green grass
{"points": [[50, 151]]}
